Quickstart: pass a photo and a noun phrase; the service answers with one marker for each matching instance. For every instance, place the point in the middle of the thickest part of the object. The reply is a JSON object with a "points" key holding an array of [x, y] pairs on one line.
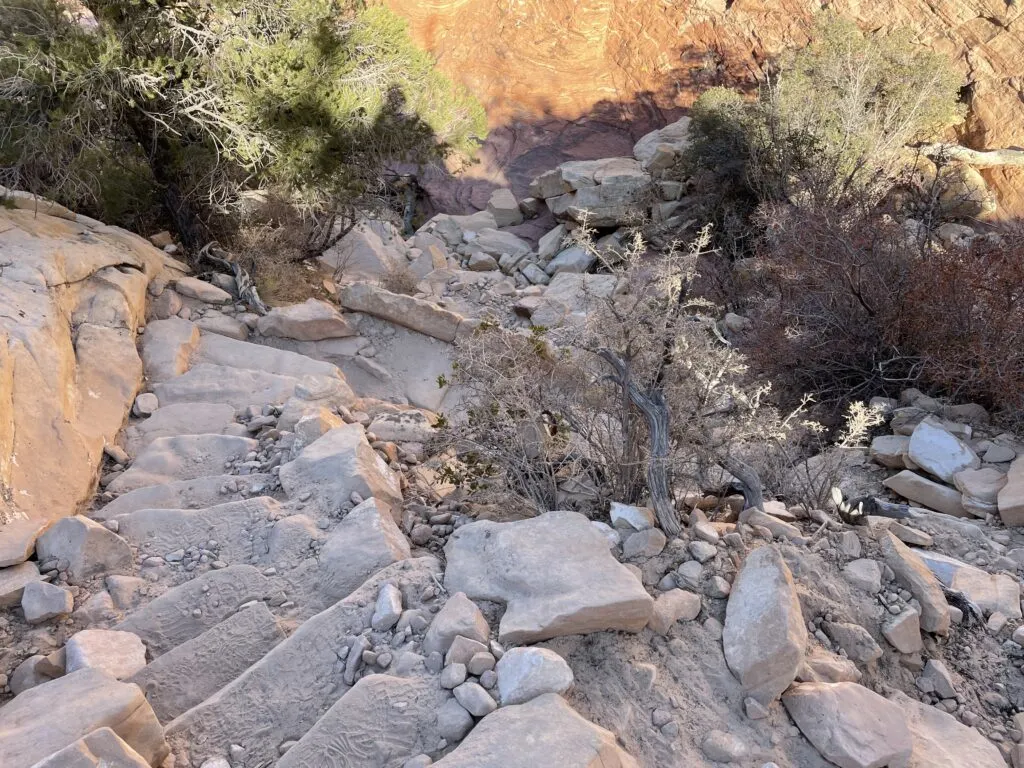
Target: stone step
{"points": [[237, 387], [214, 349], [543, 733], [187, 494], [239, 527], [282, 696], [179, 419], [188, 610], [184, 457], [54, 715], [189, 674], [100, 749], [382, 721]]}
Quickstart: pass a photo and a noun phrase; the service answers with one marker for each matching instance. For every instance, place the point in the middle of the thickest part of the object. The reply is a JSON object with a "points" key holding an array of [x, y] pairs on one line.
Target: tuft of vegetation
{"points": [[830, 128], [194, 104]]}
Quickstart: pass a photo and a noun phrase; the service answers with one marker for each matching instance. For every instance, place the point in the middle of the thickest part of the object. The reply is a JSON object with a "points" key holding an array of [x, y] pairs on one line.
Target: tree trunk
{"points": [[655, 410]]}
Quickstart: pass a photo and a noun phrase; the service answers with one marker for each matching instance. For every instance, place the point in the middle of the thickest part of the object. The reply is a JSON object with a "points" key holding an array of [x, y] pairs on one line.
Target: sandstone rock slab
{"points": [[554, 573], [178, 419], [195, 606], [459, 616], [416, 314], [911, 571], [940, 453], [992, 592], [167, 346], [74, 706], [87, 547], [850, 725], [100, 749], [764, 636], [526, 673], [13, 581], [941, 741], [313, 320], [42, 601], [195, 288], [186, 494], [543, 733], [119, 654], [336, 465], [184, 457], [195, 670], [1011, 496], [926, 492]]}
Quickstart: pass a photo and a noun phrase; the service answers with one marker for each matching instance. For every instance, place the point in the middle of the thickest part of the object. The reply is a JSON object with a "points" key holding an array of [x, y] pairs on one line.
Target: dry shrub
{"points": [[400, 280], [966, 321], [855, 307]]}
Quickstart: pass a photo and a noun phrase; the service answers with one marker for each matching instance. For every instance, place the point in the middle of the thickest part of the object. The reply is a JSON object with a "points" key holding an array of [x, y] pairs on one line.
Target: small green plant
{"points": [[442, 381]]}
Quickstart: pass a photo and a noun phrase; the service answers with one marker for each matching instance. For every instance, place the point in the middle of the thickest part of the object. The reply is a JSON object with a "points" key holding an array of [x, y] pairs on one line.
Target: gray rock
{"points": [[940, 453], [850, 725], [453, 721], [458, 616], [388, 609], [313, 320], [864, 574], [648, 543], [903, 631], [87, 546], [672, 606], [100, 749], [13, 581], [913, 574], [475, 699], [723, 747], [936, 679], [42, 601], [764, 637], [453, 675], [854, 640], [119, 654], [526, 673]]}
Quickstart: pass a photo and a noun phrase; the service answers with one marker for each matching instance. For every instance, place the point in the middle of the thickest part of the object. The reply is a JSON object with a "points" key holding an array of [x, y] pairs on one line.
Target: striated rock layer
{"points": [[540, 66]]}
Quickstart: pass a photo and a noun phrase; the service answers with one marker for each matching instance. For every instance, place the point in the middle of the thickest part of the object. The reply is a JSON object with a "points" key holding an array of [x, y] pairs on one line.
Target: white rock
{"points": [[388, 609], [940, 741], [912, 573], [930, 494], [313, 320], [627, 516], [940, 453]]}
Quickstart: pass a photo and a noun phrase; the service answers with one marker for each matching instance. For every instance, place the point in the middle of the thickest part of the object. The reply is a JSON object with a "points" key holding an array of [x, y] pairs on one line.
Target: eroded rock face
{"points": [[554, 572], [72, 298], [548, 62]]}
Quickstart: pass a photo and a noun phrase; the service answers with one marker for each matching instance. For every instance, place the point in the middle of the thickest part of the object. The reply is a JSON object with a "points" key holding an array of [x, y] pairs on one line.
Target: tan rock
{"points": [[13, 581], [312, 320], [416, 314], [459, 616], [992, 592], [194, 288], [764, 636], [940, 453], [74, 706], [544, 732], [890, 450], [672, 606], [941, 741], [119, 654], [930, 494], [100, 749], [911, 571], [850, 725], [167, 346], [1011, 496], [511, 563]]}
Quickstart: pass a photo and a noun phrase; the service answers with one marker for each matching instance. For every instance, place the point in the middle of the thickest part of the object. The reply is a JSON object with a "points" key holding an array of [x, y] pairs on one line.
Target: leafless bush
{"points": [[636, 397], [399, 279]]}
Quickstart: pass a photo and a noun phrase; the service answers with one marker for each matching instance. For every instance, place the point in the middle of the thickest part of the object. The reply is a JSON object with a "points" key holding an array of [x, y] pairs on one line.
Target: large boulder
{"points": [[764, 636], [554, 573], [312, 320], [460, 617], [660, 148], [416, 314], [100, 749], [505, 208], [928, 493], [941, 741], [361, 255], [72, 297], [74, 706], [1011, 496], [88, 548], [338, 464], [992, 592], [366, 541], [543, 733], [851, 726], [496, 243]]}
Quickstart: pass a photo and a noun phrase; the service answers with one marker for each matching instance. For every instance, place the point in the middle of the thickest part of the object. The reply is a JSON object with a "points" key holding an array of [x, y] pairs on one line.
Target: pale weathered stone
{"points": [[503, 206], [74, 706], [980, 489], [512, 563], [100, 749], [992, 592], [402, 427], [933, 495], [627, 516], [189, 674], [183, 457], [864, 574], [88, 548], [903, 631], [361, 255], [195, 288], [312, 320], [940, 453], [13, 581], [545, 731], [890, 450], [459, 616], [217, 323], [1011, 496], [167, 346], [940, 741], [42, 602], [366, 541], [336, 465], [526, 673], [672, 606], [119, 654], [922, 583], [855, 641], [764, 636], [416, 314], [850, 725]]}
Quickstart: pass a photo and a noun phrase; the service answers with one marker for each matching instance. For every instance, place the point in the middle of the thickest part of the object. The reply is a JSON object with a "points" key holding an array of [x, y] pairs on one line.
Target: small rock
{"points": [[453, 676], [528, 672], [723, 747], [702, 551], [647, 543], [903, 631], [480, 663], [42, 601], [672, 606], [388, 609], [936, 679], [119, 654], [475, 699], [145, 404]]}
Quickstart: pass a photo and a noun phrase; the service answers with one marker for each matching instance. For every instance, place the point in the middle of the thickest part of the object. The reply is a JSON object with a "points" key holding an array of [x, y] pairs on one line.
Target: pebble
{"points": [[453, 676], [475, 699]]}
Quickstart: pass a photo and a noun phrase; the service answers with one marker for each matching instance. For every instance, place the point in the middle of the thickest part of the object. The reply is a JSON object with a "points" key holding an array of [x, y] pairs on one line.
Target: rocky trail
{"points": [[227, 544]]}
